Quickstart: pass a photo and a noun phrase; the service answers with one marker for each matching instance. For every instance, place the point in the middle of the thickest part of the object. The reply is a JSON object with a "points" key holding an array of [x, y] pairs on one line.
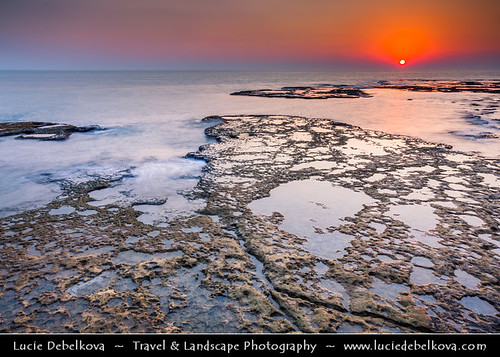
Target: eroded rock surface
{"points": [[310, 225], [418, 216]]}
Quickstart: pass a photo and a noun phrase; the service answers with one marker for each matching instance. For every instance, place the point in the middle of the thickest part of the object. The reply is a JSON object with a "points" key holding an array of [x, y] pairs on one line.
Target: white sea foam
{"points": [[153, 187]]}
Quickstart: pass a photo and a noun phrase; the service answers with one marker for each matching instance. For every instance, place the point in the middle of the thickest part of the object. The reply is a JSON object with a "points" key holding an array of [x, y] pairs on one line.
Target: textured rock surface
{"points": [[393, 235]]}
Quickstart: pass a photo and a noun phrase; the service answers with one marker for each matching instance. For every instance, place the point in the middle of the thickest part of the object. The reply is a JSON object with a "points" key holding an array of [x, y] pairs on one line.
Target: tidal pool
{"points": [[478, 305], [309, 203], [310, 208]]}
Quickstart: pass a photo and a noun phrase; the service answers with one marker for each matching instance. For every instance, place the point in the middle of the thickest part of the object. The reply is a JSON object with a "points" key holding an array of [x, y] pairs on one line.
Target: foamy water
{"points": [[152, 119]]}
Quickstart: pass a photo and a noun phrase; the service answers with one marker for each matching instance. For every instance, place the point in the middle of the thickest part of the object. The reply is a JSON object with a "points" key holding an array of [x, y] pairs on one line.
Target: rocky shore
{"points": [[326, 91], [426, 85], [314, 92], [310, 225]]}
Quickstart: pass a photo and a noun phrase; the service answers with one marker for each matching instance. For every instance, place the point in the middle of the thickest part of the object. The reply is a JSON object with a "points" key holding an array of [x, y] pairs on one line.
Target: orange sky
{"points": [[163, 32], [424, 30]]}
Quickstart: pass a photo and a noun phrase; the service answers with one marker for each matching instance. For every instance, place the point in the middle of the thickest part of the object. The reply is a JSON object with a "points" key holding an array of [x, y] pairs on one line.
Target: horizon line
{"points": [[394, 68]]}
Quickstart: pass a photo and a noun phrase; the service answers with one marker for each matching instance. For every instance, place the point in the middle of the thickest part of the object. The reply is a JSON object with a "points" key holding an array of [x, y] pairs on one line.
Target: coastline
{"points": [[75, 267]]}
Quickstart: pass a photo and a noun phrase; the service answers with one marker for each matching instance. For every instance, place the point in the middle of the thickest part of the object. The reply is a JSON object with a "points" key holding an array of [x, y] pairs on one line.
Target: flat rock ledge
{"points": [[326, 91], [310, 225], [425, 85], [314, 92], [43, 130]]}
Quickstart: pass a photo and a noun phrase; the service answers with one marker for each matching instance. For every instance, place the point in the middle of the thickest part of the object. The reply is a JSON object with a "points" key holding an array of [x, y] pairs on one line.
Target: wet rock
{"points": [[256, 154], [43, 130], [442, 86], [401, 236], [154, 201], [475, 135], [318, 92]]}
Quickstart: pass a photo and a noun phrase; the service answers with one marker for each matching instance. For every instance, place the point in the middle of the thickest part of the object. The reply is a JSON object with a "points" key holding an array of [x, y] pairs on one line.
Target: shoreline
{"points": [[98, 269]]}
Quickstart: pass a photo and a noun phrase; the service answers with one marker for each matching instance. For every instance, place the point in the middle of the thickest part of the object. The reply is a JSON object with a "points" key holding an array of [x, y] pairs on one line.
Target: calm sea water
{"points": [[153, 119]]}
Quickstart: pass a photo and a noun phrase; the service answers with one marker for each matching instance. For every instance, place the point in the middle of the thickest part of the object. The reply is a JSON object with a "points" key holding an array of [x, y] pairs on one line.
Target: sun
{"points": [[402, 62]]}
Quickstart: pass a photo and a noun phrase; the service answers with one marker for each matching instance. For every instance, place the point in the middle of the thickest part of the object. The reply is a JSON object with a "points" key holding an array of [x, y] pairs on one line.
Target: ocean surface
{"points": [[152, 119]]}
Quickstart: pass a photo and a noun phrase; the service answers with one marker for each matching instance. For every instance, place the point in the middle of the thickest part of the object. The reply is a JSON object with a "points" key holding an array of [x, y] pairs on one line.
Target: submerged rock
{"points": [[43, 130]]}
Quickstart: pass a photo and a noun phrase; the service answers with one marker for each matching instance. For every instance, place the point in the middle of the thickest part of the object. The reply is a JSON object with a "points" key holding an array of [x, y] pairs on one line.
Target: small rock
{"points": [[43, 130]]}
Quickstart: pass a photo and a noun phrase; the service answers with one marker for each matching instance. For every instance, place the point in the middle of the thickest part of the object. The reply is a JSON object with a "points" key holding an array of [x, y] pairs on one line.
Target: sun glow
{"points": [[399, 43]]}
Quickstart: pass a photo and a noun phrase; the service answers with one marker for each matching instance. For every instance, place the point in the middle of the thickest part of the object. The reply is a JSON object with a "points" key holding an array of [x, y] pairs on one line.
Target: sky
{"points": [[219, 34]]}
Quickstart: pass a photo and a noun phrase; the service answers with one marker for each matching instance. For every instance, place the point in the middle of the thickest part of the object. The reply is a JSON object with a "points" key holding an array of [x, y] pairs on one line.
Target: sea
{"points": [[152, 119]]}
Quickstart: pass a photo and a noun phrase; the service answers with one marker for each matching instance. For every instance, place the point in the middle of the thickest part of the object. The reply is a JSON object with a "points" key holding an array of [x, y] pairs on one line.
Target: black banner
{"points": [[250, 344]]}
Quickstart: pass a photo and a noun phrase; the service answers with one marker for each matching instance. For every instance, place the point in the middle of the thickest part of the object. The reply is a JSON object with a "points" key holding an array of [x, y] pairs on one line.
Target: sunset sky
{"points": [[204, 34]]}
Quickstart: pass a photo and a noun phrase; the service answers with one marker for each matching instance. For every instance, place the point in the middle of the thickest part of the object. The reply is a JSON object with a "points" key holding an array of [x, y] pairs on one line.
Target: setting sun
{"points": [[402, 62]]}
